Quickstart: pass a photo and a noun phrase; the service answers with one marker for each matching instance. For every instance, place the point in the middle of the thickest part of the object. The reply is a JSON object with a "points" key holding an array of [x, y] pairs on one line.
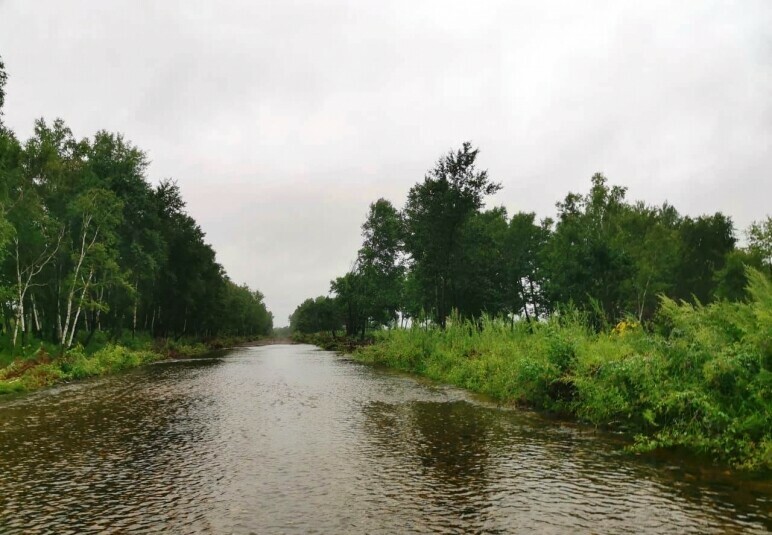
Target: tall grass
{"points": [[699, 378], [43, 370], [40, 365]]}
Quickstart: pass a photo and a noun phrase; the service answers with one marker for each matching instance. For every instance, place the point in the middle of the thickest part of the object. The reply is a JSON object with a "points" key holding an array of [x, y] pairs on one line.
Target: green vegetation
{"points": [[621, 314], [606, 256], [701, 379], [42, 370], [281, 332], [93, 254], [325, 340]]}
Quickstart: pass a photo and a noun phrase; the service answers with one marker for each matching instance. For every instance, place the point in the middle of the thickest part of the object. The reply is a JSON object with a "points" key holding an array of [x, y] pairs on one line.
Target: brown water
{"points": [[289, 439]]}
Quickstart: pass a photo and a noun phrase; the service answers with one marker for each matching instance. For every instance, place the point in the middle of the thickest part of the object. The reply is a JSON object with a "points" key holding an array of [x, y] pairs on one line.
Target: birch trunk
{"points": [[35, 315], [134, 315], [80, 306], [98, 318], [20, 290], [71, 294], [24, 280]]}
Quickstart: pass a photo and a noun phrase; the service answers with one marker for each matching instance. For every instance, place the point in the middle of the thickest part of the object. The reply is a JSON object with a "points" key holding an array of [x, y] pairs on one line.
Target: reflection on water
{"points": [[284, 439]]}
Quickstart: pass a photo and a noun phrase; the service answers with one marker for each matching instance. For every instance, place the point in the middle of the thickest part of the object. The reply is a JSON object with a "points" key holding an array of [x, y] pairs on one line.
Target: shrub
{"points": [[701, 378]]}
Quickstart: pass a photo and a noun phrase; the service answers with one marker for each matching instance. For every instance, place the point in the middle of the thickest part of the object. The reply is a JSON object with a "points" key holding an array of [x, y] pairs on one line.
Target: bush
{"points": [[701, 378]]}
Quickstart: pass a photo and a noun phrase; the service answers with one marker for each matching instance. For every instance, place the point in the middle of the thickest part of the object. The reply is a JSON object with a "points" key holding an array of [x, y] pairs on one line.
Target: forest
{"points": [[92, 252], [444, 254], [622, 314]]}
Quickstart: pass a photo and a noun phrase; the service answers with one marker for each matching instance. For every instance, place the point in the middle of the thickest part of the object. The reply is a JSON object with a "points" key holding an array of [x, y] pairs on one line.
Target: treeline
{"points": [[88, 244], [611, 258]]}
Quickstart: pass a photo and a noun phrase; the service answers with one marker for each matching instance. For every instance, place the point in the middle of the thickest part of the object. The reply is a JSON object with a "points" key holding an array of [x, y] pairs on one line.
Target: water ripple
{"points": [[287, 439]]}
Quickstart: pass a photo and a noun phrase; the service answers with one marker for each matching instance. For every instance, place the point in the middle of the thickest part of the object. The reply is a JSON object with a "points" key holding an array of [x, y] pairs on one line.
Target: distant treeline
{"points": [[87, 244], [443, 253]]}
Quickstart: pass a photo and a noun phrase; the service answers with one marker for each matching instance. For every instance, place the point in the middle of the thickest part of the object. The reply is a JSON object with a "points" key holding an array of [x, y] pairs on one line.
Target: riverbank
{"points": [[328, 342], [45, 368], [700, 378]]}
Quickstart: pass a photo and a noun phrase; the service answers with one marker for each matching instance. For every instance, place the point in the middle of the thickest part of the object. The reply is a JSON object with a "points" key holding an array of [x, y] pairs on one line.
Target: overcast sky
{"points": [[283, 120]]}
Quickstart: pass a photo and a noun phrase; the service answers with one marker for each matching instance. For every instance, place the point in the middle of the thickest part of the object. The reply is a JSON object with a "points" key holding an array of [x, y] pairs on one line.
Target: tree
{"points": [[52, 171], [650, 238], [120, 166], [380, 263], [731, 281], [521, 258], [705, 243], [315, 315], [87, 244], [350, 298], [435, 213], [245, 312], [480, 277], [760, 242], [36, 240], [584, 263], [3, 81], [95, 214]]}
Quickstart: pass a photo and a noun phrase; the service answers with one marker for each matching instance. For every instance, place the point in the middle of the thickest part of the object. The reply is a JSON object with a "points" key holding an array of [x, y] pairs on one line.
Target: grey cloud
{"points": [[283, 120]]}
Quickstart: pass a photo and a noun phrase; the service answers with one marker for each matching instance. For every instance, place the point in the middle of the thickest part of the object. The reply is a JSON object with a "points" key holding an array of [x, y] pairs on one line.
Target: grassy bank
{"points": [[326, 340], [700, 378], [41, 365]]}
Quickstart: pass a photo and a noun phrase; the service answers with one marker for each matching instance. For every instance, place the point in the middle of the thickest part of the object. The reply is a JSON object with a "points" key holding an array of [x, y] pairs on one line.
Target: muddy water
{"points": [[289, 439]]}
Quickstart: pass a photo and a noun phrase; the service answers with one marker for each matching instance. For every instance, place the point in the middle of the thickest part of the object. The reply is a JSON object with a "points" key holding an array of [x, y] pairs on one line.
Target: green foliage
{"points": [[42, 370], [349, 306], [42, 365], [176, 348], [607, 257], [91, 250], [583, 259], [702, 381], [244, 312], [77, 364], [315, 315], [380, 268], [435, 213], [522, 274], [731, 280], [281, 332], [760, 242], [705, 243], [326, 340], [622, 314]]}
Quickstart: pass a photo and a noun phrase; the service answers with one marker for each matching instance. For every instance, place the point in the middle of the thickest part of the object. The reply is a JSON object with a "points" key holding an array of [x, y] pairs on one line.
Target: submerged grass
{"points": [[700, 378]]}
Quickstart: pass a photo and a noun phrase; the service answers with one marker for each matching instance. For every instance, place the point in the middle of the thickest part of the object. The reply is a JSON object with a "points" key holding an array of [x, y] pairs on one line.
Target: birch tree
{"points": [[95, 213], [30, 258]]}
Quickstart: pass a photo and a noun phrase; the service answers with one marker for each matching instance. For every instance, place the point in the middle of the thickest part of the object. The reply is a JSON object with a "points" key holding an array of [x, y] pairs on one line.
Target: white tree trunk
{"points": [[80, 306], [20, 291], [24, 278], [35, 315], [71, 295], [98, 319]]}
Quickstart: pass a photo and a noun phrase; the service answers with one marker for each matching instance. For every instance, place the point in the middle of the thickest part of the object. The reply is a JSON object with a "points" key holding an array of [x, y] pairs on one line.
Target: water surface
{"points": [[290, 439]]}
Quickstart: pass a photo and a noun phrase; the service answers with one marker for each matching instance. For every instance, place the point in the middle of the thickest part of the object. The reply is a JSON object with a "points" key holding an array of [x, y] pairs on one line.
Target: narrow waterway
{"points": [[290, 439]]}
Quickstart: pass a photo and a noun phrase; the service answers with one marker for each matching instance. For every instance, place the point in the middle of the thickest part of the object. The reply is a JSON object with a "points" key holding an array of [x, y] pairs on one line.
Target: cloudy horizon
{"points": [[282, 121]]}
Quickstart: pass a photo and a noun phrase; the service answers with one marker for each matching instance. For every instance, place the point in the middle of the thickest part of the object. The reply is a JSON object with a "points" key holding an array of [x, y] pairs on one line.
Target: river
{"points": [[290, 439]]}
